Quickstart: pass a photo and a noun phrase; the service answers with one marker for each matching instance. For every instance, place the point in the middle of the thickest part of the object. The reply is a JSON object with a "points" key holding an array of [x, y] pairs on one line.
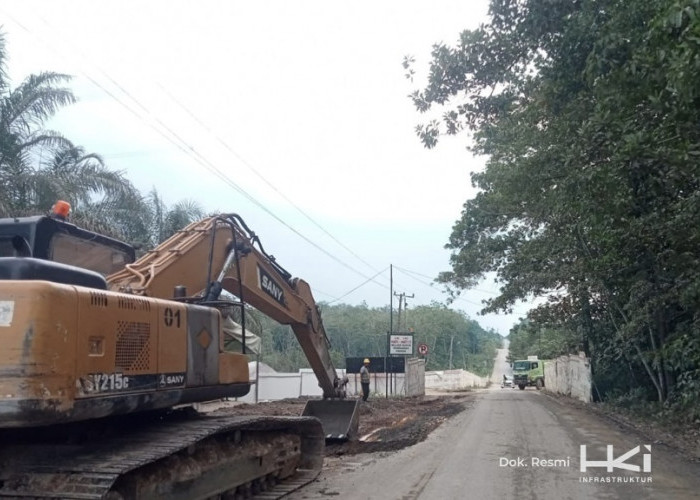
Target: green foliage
{"points": [[532, 339], [454, 340], [587, 113]]}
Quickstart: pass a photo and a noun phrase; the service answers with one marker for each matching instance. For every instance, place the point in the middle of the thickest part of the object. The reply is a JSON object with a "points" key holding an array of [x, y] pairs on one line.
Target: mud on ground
{"points": [[385, 424]]}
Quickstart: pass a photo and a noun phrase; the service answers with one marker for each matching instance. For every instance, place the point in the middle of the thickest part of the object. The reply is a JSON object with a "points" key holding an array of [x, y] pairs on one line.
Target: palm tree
{"points": [[166, 221], [23, 111], [180, 215], [39, 166], [103, 200], [79, 177]]}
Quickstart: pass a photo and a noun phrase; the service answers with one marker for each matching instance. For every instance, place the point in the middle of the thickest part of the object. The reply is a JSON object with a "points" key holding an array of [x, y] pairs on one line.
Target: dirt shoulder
{"points": [[385, 424], [683, 441]]}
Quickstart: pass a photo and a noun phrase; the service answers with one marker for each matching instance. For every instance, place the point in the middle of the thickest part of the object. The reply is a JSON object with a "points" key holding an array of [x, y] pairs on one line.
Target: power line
{"points": [[193, 153], [430, 285], [359, 286], [259, 175], [409, 272], [317, 291], [457, 298], [217, 172], [175, 139]]}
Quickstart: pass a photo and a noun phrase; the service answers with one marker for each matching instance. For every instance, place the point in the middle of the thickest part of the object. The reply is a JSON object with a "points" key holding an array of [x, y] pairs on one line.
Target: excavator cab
{"points": [[51, 249]]}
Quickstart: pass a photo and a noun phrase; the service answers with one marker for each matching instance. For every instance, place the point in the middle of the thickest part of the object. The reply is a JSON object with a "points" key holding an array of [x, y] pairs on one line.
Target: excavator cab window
{"points": [[88, 254], [50, 239], [14, 246]]}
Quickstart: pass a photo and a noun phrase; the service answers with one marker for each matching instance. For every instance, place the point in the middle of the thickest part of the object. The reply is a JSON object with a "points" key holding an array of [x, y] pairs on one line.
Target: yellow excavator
{"points": [[101, 354]]}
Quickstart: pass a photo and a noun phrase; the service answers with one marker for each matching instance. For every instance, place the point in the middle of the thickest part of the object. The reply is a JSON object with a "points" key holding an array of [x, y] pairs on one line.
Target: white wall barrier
{"points": [[415, 377], [274, 385], [569, 375], [454, 380]]}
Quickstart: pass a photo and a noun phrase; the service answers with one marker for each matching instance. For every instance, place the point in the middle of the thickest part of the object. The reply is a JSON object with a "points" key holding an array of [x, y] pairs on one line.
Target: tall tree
{"points": [[588, 116]]}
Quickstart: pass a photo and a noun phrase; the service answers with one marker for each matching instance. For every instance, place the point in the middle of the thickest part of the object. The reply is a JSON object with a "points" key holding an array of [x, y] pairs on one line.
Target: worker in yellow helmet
{"points": [[364, 379]]}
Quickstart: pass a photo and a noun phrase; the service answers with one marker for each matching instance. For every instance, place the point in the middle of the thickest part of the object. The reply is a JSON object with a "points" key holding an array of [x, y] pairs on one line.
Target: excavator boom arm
{"points": [[236, 262]]}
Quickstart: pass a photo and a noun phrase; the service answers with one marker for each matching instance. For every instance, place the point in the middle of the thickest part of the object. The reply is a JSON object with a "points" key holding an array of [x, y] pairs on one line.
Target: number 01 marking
{"points": [[171, 317]]}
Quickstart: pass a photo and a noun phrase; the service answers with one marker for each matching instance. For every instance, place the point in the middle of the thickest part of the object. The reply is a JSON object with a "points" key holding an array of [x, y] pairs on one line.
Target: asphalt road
{"points": [[512, 444]]}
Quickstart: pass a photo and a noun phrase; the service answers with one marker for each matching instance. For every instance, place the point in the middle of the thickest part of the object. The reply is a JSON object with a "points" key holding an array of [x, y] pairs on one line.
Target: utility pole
{"points": [[452, 339], [391, 329], [402, 300]]}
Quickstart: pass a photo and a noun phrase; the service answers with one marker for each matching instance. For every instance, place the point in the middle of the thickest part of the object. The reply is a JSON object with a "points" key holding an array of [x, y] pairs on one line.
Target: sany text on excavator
{"points": [[99, 348]]}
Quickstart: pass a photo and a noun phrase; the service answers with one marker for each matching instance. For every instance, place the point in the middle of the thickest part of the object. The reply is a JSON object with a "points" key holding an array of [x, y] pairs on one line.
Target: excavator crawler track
{"points": [[169, 457]]}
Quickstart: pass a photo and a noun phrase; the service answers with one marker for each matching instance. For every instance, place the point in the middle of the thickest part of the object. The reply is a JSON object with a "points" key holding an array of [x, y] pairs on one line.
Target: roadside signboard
{"points": [[401, 344], [422, 349]]}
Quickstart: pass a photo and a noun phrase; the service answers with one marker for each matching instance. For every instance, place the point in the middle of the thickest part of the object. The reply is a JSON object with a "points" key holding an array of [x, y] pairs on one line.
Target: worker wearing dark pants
{"points": [[364, 379]]}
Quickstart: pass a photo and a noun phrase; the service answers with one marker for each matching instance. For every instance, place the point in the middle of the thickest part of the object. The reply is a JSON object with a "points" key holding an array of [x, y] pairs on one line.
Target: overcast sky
{"points": [[293, 114]]}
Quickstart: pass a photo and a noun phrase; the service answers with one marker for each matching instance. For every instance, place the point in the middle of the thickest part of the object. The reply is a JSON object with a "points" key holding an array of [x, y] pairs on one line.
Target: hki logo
{"points": [[619, 462]]}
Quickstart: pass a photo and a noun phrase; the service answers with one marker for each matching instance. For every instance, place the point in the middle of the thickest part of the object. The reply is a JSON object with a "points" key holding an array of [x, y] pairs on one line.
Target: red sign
{"points": [[422, 349]]}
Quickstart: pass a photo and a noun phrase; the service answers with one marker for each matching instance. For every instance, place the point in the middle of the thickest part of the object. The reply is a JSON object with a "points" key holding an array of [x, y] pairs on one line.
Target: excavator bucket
{"points": [[340, 418]]}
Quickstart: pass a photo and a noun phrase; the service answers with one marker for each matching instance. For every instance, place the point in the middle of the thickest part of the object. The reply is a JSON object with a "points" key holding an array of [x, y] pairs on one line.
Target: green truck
{"points": [[528, 372]]}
